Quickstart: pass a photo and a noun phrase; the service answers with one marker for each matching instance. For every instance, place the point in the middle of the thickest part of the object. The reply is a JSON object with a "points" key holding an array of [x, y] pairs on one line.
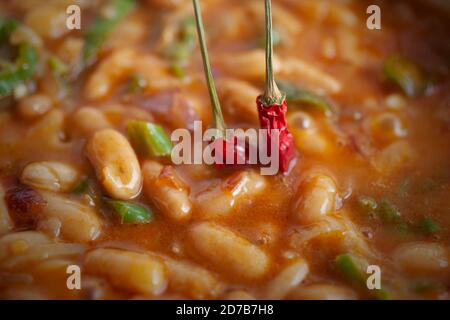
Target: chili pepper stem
{"points": [[271, 94], [217, 112]]}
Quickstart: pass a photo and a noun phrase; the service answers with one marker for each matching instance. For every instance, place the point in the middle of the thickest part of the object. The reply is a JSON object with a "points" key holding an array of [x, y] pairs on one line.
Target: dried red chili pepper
{"points": [[221, 143], [272, 105]]}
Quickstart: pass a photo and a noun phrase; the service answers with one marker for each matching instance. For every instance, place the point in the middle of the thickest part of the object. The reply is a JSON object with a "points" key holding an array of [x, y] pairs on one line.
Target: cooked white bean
{"points": [[187, 278], [79, 222], [18, 242], [247, 64], [322, 292], [220, 200], [128, 270], [317, 196], [239, 295], [393, 157], [50, 175], [115, 164], [87, 120], [422, 258], [166, 189], [287, 279], [238, 98], [228, 251], [42, 252], [303, 69], [34, 106]]}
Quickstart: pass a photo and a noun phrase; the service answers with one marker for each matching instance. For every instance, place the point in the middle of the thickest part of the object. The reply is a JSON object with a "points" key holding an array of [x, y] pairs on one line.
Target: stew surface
{"points": [[86, 180]]}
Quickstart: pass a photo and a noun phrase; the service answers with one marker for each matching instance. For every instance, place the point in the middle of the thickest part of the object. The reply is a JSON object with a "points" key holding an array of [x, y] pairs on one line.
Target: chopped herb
{"points": [[57, 66], [103, 25], [82, 186], [428, 226], [406, 75], [22, 70], [389, 212], [149, 139], [295, 95], [130, 212]]}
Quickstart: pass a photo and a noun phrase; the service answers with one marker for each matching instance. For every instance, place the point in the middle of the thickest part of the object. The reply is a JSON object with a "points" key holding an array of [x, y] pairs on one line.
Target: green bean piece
{"points": [[149, 139], [299, 96], [130, 212], [428, 226], [351, 267], [103, 25], [406, 74], [22, 70]]}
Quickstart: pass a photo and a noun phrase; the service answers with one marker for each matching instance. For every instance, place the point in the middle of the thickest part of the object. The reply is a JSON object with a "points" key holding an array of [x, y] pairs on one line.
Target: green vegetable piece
{"points": [[130, 212], [178, 51], [103, 25], [7, 26], [296, 95], [352, 268], [388, 212], [57, 66], [82, 186], [149, 139], [428, 226], [406, 75], [368, 205], [22, 70]]}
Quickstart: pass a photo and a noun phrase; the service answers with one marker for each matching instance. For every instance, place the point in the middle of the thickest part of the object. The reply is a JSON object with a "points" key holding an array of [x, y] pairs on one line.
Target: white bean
{"points": [[220, 200], [317, 196], [115, 164], [50, 175], [166, 189], [322, 292], [128, 270], [87, 120], [422, 258], [228, 251], [287, 279], [79, 222]]}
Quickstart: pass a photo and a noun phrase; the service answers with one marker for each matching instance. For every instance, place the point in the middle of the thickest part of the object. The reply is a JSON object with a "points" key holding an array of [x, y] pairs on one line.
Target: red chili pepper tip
{"points": [[274, 117], [239, 153]]}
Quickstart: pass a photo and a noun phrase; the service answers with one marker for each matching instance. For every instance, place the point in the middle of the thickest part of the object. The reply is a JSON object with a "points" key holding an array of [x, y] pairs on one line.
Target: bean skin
{"points": [[115, 164]]}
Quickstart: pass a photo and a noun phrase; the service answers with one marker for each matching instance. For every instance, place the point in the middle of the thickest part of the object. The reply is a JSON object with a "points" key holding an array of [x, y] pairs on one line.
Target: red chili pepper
{"points": [[221, 145], [239, 153], [274, 117], [272, 105]]}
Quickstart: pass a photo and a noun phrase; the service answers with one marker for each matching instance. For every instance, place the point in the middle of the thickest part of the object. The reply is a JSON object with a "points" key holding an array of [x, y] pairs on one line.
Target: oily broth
{"points": [[266, 220]]}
